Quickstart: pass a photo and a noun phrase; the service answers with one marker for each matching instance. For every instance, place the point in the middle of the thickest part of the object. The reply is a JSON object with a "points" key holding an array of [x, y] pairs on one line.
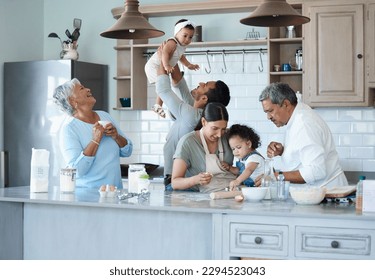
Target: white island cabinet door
{"points": [[333, 243]]}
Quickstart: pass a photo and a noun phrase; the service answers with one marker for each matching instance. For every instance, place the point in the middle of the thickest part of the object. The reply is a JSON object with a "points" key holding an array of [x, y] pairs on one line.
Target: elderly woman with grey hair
{"points": [[93, 149]]}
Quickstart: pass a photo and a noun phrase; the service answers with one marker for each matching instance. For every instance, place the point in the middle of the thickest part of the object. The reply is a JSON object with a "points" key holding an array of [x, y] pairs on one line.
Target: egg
{"points": [[239, 198]]}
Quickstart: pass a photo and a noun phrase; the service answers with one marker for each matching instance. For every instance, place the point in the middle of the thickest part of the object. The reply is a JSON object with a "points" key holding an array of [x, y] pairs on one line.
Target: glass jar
{"points": [[133, 174], [269, 179], [290, 32], [68, 179]]}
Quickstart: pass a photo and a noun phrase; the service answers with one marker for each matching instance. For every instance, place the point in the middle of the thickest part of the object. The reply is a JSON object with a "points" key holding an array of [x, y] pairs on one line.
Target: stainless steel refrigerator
{"points": [[31, 120]]}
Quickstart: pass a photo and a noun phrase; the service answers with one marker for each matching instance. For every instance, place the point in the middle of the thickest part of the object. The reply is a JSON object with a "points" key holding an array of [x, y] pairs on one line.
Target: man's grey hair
{"points": [[277, 93], [62, 94]]}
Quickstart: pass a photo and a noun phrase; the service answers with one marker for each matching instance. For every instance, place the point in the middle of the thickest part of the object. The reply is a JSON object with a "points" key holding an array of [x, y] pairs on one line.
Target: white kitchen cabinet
{"points": [[248, 240], [290, 237], [211, 229], [326, 242], [370, 55], [334, 54]]}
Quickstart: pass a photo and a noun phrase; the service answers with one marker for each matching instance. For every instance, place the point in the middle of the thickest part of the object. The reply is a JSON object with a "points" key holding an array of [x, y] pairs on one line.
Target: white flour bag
{"points": [[39, 170]]}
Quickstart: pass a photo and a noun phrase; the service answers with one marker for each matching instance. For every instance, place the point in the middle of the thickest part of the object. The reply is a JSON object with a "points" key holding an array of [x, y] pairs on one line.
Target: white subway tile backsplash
{"points": [[350, 115], [150, 137], [145, 126], [246, 103], [269, 128], [135, 137], [362, 152], [279, 137], [353, 129], [369, 140], [159, 126], [336, 139], [328, 115], [256, 116], [351, 164], [344, 152], [135, 157], [363, 127], [145, 149], [350, 140], [139, 126], [368, 165], [156, 149], [339, 127], [368, 114], [155, 159], [148, 115], [125, 127], [129, 115]]}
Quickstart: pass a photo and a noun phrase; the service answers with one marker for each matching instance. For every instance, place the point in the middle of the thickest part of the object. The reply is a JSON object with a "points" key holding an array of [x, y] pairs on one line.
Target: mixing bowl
{"points": [[307, 194], [254, 193]]}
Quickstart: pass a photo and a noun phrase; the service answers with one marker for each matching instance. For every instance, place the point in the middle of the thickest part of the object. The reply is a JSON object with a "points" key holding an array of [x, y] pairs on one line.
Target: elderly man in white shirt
{"points": [[308, 154]]}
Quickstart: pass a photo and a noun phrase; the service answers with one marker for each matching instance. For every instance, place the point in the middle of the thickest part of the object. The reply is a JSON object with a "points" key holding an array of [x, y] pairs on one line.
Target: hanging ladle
{"points": [[260, 68], [225, 65], [209, 65]]}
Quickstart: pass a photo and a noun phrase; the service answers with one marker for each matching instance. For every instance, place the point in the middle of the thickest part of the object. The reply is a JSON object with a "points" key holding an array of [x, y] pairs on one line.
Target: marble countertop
{"points": [[184, 202]]}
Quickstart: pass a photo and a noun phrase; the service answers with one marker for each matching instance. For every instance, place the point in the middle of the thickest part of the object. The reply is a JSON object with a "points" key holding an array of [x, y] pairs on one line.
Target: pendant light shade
{"points": [[273, 13], [132, 25]]}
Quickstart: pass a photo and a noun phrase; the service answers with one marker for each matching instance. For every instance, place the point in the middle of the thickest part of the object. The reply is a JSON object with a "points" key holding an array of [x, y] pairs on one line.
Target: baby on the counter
{"points": [[248, 163]]}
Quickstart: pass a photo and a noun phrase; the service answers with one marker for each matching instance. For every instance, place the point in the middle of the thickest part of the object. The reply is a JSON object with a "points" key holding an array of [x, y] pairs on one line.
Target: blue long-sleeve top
{"points": [[104, 167]]}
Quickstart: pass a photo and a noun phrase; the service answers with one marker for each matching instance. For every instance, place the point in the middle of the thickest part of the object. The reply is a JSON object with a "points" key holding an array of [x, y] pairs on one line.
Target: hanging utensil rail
{"points": [[212, 52]]}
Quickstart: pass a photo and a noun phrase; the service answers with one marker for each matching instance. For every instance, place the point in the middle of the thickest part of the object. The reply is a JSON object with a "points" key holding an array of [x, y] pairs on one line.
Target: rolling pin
{"points": [[221, 195]]}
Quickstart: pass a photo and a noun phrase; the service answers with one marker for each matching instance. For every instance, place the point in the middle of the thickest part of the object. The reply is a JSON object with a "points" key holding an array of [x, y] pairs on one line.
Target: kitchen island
{"points": [[177, 225]]}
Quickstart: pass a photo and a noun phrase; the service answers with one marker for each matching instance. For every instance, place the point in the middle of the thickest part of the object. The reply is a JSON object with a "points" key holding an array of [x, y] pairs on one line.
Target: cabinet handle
{"points": [[359, 56], [258, 240], [334, 244]]}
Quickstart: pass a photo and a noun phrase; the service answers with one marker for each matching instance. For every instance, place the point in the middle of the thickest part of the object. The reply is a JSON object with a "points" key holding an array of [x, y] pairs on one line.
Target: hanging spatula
{"points": [[75, 35], [67, 33], [77, 23]]}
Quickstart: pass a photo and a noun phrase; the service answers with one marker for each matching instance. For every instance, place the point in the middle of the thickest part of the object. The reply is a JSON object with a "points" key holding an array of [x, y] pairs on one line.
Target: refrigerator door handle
{"points": [[4, 169]]}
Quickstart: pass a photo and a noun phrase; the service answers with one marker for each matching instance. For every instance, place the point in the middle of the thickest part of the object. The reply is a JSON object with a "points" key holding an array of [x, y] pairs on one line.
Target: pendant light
{"points": [[273, 13], [132, 25]]}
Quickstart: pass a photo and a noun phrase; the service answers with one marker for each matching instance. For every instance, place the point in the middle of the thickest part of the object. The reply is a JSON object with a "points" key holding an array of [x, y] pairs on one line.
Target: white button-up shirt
{"points": [[309, 148]]}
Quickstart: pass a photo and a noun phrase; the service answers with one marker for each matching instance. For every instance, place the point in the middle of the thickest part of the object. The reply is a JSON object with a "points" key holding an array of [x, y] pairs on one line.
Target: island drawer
{"points": [[335, 243], [258, 239]]}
